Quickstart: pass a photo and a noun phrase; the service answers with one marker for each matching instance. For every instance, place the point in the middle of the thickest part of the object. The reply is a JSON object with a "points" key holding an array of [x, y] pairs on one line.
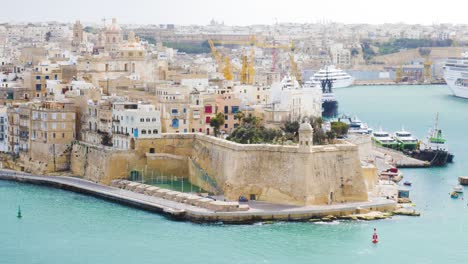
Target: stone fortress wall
{"points": [[273, 173]]}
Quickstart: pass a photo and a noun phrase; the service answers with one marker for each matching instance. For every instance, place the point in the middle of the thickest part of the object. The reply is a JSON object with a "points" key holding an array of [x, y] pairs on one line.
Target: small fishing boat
{"points": [[458, 188], [454, 195], [407, 183]]}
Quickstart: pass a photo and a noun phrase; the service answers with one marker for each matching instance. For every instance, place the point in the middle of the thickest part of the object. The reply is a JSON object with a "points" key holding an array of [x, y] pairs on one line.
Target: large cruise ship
{"points": [[456, 75], [339, 78]]}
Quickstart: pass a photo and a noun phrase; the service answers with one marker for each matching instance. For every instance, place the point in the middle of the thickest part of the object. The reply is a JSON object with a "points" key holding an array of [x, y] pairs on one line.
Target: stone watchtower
{"points": [[306, 136]]}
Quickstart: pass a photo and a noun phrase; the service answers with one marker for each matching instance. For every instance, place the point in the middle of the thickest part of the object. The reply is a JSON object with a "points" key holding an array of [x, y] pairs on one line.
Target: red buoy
{"points": [[375, 237]]}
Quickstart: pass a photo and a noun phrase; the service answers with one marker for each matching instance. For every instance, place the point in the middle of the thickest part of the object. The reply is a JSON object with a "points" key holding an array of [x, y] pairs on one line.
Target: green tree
{"points": [[216, 122], [339, 128]]}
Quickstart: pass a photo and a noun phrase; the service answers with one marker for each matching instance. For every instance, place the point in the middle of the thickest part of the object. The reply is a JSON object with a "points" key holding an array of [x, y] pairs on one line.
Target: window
{"points": [[148, 119], [225, 125], [226, 117], [154, 119], [64, 115], [174, 111], [63, 125], [54, 125], [63, 135], [185, 121], [38, 87], [175, 123], [143, 132], [142, 120], [53, 135], [185, 110], [149, 131], [55, 77], [38, 77], [226, 109], [54, 115], [47, 77], [151, 150], [207, 120], [235, 109], [208, 109], [155, 131]]}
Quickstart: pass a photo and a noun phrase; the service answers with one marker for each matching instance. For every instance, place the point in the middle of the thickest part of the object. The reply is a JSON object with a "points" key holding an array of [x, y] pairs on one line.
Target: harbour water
{"points": [[64, 227]]}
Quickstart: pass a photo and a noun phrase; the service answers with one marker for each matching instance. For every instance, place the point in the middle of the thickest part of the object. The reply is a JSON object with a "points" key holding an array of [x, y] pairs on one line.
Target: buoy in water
{"points": [[375, 237], [19, 212]]}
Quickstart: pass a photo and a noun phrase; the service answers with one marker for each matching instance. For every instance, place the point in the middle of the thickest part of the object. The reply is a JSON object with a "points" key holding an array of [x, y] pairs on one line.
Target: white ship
{"points": [[339, 78], [456, 75]]}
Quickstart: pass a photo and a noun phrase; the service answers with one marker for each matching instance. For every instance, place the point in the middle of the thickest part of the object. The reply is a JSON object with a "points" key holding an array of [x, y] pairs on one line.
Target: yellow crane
{"points": [[247, 73], [224, 63]]}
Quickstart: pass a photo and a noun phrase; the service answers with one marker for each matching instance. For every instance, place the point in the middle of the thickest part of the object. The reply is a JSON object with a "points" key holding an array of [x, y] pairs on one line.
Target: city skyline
{"points": [[241, 13]]}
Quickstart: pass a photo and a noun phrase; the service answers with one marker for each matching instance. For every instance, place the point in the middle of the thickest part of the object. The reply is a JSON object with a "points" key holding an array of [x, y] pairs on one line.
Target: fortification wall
{"points": [[269, 172]]}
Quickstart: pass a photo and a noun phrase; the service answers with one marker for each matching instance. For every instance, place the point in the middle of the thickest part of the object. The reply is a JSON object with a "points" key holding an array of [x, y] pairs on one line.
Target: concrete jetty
{"points": [[257, 211], [398, 159]]}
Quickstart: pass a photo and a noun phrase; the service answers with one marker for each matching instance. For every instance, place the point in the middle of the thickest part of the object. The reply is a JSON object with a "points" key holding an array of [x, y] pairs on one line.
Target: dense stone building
{"points": [[134, 120]]}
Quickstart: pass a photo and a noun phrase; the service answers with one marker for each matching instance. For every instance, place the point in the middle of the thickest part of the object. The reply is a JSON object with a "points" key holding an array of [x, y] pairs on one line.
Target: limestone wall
{"points": [[328, 174], [281, 174]]}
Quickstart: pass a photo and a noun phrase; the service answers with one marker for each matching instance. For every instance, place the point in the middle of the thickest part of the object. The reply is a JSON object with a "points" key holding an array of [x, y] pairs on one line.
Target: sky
{"points": [[237, 12]]}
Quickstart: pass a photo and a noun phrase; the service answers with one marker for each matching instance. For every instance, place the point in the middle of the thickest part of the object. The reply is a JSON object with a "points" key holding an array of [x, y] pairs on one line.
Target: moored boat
{"points": [[406, 140], [382, 138], [458, 188], [434, 149]]}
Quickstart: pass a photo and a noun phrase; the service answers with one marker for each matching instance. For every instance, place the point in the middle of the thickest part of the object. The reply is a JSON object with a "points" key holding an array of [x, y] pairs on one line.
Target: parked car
{"points": [[243, 199]]}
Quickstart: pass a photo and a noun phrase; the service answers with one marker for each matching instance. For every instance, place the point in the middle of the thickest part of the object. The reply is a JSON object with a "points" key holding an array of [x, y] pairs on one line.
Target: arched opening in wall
{"points": [[155, 131], [151, 150], [126, 67], [207, 131], [132, 143]]}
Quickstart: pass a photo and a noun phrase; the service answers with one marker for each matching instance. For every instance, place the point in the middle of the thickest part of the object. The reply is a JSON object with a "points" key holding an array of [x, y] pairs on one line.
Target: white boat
{"points": [[382, 138], [458, 188], [456, 75], [339, 78], [356, 126], [406, 139]]}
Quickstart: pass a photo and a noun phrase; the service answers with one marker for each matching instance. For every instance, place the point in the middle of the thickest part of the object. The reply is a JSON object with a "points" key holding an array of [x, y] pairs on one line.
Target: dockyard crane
{"points": [[247, 73], [224, 63]]}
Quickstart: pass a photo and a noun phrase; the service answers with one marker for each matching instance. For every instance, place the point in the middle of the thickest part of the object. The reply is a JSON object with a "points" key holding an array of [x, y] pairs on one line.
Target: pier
{"points": [[257, 212], [398, 159]]}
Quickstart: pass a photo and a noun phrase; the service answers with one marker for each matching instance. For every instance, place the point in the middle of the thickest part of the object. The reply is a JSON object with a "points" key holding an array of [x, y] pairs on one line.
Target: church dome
{"points": [[114, 26]]}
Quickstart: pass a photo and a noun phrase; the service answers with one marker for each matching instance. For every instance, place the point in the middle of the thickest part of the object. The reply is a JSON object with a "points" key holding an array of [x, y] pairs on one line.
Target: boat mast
{"points": [[436, 126]]}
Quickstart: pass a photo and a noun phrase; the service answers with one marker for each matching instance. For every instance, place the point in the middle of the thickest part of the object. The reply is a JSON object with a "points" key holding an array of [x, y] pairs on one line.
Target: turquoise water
{"points": [[64, 227]]}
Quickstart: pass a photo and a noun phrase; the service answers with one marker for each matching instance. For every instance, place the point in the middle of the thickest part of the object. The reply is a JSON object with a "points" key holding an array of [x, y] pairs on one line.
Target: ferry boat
{"points": [[406, 140], [434, 149], [456, 75], [382, 138], [339, 78], [356, 126]]}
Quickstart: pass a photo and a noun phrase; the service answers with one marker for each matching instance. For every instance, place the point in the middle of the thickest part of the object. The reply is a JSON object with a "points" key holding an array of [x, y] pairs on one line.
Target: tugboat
{"points": [[434, 149]]}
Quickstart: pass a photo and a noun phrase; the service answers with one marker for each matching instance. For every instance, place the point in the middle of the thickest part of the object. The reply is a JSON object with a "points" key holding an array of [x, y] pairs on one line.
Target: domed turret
{"points": [[306, 136]]}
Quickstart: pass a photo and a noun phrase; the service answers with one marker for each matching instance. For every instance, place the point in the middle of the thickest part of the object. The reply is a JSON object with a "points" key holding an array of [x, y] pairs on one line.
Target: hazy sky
{"points": [[237, 12]]}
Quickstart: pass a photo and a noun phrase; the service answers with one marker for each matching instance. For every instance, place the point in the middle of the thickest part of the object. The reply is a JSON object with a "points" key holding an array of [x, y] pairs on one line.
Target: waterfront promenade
{"points": [[259, 211]]}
